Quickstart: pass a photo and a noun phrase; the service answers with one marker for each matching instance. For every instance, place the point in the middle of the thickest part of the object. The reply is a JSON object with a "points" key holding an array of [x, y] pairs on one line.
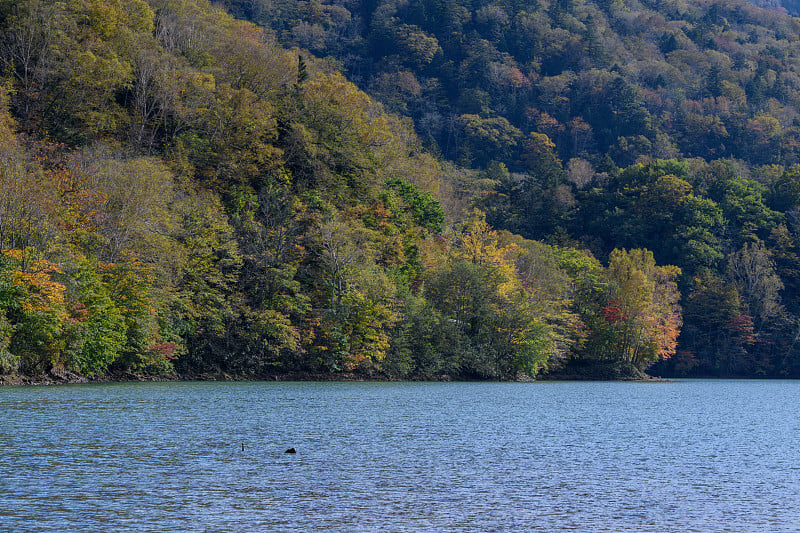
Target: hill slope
{"points": [[182, 194], [711, 79], [665, 125]]}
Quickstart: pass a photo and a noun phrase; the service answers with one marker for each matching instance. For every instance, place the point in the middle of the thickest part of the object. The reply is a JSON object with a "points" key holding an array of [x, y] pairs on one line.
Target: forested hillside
{"points": [[669, 126], [711, 79], [183, 196], [184, 193]]}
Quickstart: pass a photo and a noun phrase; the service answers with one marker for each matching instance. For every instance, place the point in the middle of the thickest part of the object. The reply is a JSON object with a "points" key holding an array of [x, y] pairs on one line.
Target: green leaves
{"points": [[425, 210], [487, 138], [96, 330], [743, 203]]}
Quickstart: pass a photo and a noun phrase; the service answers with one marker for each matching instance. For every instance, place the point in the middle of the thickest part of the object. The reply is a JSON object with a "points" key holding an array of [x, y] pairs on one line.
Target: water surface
{"points": [[680, 456]]}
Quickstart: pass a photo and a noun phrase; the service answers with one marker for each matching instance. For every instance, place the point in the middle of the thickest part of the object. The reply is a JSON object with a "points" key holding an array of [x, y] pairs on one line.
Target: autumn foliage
{"points": [[182, 195]]}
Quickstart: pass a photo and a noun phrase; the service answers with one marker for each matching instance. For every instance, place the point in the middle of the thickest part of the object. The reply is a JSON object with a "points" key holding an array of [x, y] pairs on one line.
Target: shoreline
{"points": [[70, 378]]}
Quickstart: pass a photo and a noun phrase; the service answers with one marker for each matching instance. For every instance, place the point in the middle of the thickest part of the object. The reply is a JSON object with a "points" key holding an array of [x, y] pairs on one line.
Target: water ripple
{"points": [[705, 456]]}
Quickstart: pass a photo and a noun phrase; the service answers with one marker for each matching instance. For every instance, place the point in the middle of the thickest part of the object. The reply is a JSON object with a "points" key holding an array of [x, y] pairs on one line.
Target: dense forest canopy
{"points": [[402, 189], [711, 79], [665, 126]]}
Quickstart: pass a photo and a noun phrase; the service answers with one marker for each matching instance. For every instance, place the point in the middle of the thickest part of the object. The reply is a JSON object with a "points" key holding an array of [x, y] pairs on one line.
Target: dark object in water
{"points": [[290, 450]]}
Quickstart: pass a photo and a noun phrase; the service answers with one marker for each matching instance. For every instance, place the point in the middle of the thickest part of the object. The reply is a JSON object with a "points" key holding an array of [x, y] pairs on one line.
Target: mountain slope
{"points": [[661, 125]]}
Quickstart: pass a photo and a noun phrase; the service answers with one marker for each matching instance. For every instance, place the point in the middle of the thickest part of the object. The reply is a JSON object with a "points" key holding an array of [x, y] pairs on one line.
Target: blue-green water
{"points": [[681, 456]]}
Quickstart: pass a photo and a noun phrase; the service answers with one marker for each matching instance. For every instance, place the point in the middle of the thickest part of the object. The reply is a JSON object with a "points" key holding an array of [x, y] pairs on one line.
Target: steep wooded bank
{"points": [[663, 125], [181, 194]]}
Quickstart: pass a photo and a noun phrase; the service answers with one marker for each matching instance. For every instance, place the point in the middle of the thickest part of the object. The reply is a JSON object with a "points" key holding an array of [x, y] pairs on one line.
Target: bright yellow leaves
{"points": [[479, 245]]}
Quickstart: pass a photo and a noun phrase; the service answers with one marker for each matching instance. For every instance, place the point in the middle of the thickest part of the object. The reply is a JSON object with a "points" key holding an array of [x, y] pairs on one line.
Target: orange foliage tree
{"points": [[642, 316]]}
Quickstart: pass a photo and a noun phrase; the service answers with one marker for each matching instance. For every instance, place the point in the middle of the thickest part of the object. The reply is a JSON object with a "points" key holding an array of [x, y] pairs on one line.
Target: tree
{"points": [[425, 210], [96, 331], [204, 274], [426, 344], [550, 293], [28, 195], [251, 60], [700, 223], [339, 246], [539, 156], [783, 247], [717, 335], [487, 138], [36, 309], [71, 60], [329, 145], [641, 319], [480, 292], [785, 191], [743, 204], [136, 196], [27, 52], [752, 271]]}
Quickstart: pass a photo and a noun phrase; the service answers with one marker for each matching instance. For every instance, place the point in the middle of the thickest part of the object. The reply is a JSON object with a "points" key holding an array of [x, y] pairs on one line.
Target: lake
{"points": [[678, 456]]}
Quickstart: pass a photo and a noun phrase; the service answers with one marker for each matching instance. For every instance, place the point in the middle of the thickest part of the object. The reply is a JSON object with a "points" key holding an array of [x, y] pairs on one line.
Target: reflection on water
{"points": [[681, 456]]}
